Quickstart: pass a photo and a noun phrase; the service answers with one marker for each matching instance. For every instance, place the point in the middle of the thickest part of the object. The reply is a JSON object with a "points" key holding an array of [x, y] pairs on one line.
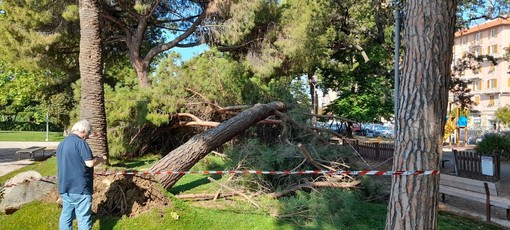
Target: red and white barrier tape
{"points": [[303, 172]]}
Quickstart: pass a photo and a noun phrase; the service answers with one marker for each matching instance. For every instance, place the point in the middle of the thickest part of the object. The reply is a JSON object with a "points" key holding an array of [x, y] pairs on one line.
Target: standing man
{"points": [[75, 171]]}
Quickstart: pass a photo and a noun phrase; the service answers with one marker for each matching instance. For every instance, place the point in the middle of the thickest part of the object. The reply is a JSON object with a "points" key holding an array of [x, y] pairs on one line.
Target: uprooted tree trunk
{"points": [[188, 154]]}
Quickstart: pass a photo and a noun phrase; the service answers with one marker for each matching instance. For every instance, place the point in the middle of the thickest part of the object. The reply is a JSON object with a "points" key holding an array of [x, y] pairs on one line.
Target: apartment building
{"points": [[491, 83]]}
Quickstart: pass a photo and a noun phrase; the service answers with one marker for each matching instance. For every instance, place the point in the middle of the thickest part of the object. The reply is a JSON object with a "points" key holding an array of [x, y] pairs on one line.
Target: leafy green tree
{"points": [[365, 89], [361, 71], [39, 36], [503, 114], [18, 93], [27, 32], [325, 39], [207, 89]]}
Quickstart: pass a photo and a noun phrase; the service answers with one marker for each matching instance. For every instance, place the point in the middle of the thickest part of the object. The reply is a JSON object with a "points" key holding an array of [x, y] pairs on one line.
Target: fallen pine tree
{"points": [[188, 154]]}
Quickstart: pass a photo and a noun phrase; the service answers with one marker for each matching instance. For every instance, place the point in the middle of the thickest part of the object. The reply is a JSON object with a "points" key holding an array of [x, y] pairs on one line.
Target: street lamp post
{"points": [[396, 5], [47, 117], [47, 126]]}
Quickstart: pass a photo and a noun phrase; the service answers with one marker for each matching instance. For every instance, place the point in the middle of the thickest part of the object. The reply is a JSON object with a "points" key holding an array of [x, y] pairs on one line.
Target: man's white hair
{"points": [[83, 126]]}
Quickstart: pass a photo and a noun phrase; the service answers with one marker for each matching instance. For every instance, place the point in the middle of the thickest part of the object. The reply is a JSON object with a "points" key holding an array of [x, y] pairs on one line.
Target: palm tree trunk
{"points": [[91, 70], [423, 98]]}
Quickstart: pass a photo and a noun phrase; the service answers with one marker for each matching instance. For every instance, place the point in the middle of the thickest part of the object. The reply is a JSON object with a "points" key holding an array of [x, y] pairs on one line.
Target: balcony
{"points": [[475, 44], [489, 91], [471, 77]]}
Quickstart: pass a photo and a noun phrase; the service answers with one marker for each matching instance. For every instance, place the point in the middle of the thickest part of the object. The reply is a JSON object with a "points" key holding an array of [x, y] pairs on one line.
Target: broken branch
{"points": [[234, 191]]}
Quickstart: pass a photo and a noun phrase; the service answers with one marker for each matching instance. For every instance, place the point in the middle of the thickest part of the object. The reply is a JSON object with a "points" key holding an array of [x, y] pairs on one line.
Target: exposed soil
{"points": [[127, 195], [117, 196]]}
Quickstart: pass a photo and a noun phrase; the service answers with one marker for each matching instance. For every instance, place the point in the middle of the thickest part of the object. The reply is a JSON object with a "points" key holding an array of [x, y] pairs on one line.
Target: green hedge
{"points": [[28, 126]]}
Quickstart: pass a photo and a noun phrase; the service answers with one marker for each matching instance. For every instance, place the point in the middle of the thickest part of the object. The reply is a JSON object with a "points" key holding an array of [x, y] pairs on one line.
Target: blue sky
{"points": [[188, 53]]}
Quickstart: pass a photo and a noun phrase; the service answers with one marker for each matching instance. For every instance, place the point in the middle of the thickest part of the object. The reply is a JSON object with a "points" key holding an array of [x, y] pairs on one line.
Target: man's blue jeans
{"points": [[76, 206]]}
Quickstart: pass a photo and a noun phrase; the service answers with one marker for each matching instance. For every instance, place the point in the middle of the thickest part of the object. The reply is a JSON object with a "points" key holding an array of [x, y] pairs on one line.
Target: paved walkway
{"points": [[9, 160]]}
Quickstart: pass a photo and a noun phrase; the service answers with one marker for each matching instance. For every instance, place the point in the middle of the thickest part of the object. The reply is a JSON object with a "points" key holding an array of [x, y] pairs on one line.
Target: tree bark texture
{"points": [[429, 27], [91, 70], [188, 154], [142, 71]]}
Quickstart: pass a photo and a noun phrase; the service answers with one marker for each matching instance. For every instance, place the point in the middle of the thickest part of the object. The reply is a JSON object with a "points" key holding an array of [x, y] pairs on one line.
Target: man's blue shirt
{"points": [[72, 173]]}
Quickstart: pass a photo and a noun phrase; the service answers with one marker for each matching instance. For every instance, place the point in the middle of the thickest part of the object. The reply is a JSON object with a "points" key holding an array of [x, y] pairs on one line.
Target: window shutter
{"points": [[495, 83], [495, 49]]}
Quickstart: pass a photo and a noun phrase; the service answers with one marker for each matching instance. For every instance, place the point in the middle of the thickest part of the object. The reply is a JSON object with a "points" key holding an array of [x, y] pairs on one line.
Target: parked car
{"points": [[368, 129], [378, 131], [390, 133], [384, 131]]}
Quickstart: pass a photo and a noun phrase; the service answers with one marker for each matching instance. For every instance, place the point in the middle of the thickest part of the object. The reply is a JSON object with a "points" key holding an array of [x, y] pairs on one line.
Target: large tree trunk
{"points": [[188, 154], [142, 69], [91, 69], [423, 96]]}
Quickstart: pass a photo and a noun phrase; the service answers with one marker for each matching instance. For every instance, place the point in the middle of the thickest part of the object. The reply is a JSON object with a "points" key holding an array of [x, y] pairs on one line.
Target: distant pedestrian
{"points": [[75, 170]]}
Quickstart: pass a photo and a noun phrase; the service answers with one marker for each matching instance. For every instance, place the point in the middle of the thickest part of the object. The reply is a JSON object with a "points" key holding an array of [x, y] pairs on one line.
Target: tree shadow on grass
{"points": [[134, 164], [193, 184]]}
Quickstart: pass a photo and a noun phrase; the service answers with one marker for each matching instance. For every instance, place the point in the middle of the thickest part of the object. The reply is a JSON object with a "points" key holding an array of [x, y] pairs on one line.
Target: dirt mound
{"points": [[116, 196], [127, 195]]}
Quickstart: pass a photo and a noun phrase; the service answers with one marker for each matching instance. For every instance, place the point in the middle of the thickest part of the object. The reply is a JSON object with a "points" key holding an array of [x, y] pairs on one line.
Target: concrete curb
{"points": [[22, 144]]}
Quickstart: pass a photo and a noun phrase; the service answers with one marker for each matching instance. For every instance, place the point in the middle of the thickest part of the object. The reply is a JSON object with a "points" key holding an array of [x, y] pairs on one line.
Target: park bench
{"points": [[31, 151], [473, 190]]}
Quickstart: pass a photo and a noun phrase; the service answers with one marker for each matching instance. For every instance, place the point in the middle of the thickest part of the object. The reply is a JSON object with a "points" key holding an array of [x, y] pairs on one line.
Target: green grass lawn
{"points": [[220, 214], [30, 136]]}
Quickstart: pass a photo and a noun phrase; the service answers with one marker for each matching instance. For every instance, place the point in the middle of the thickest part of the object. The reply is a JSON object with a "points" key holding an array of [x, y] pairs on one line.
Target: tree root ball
{"points": [[116, 196]]}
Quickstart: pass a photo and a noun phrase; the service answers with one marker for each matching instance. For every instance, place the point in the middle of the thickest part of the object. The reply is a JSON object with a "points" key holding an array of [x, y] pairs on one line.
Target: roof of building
{"points": [[489, 24]]}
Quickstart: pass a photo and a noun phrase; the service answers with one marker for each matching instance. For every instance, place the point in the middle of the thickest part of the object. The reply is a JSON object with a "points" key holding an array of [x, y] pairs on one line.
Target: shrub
{"points": [[495, 144]]}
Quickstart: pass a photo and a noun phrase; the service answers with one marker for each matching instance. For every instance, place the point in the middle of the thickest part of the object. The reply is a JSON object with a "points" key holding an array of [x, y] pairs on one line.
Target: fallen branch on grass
{"points": [[312, 185], [234, 191], [204, 196]]}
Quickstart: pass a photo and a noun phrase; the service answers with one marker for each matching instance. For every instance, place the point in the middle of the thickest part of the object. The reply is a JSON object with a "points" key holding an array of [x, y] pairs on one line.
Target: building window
{"points": [[493, 33], [478, 51], [477, 85], [464, 40], [477, 37], [492, 83], [492, 49], [491, 101]]}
